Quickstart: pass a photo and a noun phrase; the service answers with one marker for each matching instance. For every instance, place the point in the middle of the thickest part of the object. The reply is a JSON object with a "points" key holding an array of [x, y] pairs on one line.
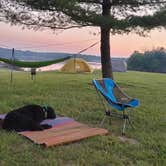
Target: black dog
{"points": [[28, 118]]}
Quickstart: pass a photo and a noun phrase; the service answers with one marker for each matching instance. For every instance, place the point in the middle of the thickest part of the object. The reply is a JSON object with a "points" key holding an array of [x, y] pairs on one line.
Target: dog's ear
{"points": [[50, 113]]}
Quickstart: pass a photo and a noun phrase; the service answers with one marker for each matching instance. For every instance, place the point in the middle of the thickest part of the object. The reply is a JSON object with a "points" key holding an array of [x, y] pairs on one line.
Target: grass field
{"points": [[73, 95]]}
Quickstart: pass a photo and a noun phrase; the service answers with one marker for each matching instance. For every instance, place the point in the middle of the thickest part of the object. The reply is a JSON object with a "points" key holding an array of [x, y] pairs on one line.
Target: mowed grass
{"points": [[73, 95]]}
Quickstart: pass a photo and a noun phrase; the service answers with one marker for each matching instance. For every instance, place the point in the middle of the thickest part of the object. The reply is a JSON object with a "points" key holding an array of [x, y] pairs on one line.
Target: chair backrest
{"points": [[111, 92], [105, 87], [108, 87]]}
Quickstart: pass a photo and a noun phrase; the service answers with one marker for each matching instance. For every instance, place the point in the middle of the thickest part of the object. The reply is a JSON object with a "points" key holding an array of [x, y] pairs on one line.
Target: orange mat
{"points": [[63, 134]]}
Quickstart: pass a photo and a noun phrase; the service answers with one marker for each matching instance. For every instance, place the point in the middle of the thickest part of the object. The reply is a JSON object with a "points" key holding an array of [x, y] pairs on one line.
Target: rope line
{"points": [[4, 46], [88, 47]]}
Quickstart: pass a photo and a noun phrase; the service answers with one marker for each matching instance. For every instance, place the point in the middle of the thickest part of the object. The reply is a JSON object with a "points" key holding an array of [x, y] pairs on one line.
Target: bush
{"points": [[149, 61]]}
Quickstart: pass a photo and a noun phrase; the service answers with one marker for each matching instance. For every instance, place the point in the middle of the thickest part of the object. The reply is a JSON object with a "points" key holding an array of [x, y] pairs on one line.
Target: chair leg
{"points": [[130, 123], [124, 126], [125, 120], [103, 120]]}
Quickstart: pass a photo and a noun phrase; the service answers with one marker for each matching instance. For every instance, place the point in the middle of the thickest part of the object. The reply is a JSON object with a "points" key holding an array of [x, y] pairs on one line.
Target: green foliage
{"points": [[124, 16], [150, 61], [32, 64], [73, 95]]}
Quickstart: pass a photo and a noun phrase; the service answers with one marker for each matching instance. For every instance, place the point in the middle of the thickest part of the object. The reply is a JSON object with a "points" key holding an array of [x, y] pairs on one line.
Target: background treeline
{"points": [[149, 61]]}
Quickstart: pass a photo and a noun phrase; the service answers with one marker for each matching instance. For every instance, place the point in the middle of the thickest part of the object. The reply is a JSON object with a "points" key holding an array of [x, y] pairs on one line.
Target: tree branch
{"points": [[75, 16], [136, 3], [90, 1]]}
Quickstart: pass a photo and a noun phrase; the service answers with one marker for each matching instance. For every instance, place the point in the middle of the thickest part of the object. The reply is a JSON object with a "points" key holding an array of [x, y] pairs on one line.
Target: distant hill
{"points": [[42, 56]]}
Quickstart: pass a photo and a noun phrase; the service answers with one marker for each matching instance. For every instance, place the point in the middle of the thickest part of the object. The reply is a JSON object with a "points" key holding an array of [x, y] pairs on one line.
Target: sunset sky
{"points": [[74, 40]]}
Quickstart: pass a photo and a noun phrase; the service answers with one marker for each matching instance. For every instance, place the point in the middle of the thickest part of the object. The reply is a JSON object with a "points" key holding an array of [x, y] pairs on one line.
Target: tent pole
{"points": [[12, 66], [75, 63]]}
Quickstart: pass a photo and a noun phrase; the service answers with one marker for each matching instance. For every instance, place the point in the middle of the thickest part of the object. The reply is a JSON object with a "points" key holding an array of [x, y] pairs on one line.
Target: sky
{"points": [[74, 40]]}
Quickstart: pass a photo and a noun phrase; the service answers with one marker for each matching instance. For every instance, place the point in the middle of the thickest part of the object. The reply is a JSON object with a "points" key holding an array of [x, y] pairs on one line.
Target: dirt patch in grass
{"points": [[124, 139]]}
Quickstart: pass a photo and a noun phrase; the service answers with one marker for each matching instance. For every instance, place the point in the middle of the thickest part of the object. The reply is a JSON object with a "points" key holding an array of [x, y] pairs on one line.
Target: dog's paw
{"points": [[46, 126]]}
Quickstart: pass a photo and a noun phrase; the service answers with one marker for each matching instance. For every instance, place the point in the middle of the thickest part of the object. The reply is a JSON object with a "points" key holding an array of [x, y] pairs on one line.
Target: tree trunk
{"points": [[105, 53], [105, 43]]}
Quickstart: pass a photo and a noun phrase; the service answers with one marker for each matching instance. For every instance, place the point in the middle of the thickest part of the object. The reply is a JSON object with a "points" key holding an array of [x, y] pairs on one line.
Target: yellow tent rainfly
{"points": [[76, 65]]}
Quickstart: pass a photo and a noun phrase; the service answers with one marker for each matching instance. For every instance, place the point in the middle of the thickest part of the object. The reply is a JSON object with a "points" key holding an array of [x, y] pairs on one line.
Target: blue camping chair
{"points": [[112, 95]]}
